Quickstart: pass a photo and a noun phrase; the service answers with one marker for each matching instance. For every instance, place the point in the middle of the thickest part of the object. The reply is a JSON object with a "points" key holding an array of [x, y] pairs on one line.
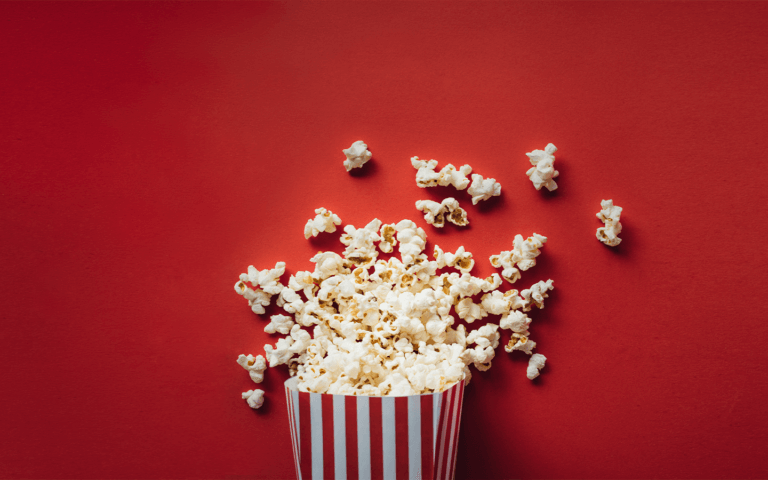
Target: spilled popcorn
{"points": [[363, 325]]}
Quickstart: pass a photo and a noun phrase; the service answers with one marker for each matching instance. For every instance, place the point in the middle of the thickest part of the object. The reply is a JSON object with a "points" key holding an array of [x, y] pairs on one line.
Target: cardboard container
{"points": [[343, 436]]}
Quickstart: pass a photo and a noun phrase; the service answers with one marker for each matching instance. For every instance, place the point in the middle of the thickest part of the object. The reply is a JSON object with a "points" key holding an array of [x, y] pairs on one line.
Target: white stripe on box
{"points": [[339, 437], [388, 440], [436, 399], [297, 452], [363, 439], [292, 423], [458, 429], [316, 413], [414, 437], [454, 421]]}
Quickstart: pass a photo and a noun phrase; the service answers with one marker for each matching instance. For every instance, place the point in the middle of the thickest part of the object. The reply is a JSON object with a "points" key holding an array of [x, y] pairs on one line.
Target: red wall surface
{"points": [[150, 152]]}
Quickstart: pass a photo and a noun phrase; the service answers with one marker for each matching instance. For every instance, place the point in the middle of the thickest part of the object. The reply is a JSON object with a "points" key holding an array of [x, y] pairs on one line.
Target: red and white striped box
{"points": [[357, 437]]}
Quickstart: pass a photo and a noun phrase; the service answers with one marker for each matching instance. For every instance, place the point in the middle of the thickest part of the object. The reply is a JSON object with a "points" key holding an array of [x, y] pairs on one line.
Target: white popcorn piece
{"points": [[387, 235], [255, 398], [521, 257], [610, 216], [469, 311], [536, 295], [520, 342], [457, 178], [357, 155], [267, 279], [255, 366], [280, 353], [412, 240], [437, 213], [516, 321], [543, 172], [324, 221], [279, 323], [360, 243], [535, 364], [483, 189]]}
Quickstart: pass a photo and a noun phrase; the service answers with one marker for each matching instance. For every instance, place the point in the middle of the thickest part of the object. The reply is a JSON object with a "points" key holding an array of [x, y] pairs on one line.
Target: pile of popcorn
{"points": [[361, 324]]}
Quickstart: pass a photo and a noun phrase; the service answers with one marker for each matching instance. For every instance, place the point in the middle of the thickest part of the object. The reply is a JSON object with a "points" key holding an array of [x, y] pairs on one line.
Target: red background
{"points": [[152, 151]]}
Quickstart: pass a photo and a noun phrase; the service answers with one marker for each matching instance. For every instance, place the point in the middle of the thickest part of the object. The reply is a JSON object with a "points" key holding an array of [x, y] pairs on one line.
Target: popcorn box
{"points": [[346, 436]]}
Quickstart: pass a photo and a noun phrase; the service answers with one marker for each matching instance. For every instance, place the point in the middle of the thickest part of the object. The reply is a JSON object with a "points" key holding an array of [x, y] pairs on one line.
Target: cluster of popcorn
{"points": [[437, 213], [521, 257], [357, 155], [610, 216], [480, 188], [385, 326], [543, 172]]}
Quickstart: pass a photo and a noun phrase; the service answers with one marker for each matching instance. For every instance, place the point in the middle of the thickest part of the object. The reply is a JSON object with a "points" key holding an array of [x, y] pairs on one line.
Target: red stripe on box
{"points": [[328, 450], [444, 439], [427, 437], [350, 422], [377, 443], [305, 436], [401, 436]]}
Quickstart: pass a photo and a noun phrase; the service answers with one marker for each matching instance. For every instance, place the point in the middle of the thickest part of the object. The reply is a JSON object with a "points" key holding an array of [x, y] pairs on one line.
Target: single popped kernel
{"points": [[535, 364], [324, 221], [610, 216], [543, 172], [357, 155], [483, 189]]}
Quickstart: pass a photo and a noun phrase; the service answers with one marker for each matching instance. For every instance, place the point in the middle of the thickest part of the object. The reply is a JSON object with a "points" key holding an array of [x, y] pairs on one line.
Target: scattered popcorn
{"points": [[543, 172], [357, 155], [325, 221], [521, 257], [268, 282], [609, 215], [437, 213], [255, 366], [255, 398], [535, 364], [483, 189]]}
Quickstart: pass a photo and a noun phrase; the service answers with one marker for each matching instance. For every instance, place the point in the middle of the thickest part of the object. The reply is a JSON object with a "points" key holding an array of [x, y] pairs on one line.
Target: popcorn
{"points": [[255, 398], [387, 235], [535, 364], [437, 213], [427, 177], [357, 155], [255, 366], [324, 221], [536, 295], [279, 323], [609, 215], [523, 255], [360, 243], [543, 172], [483, 189], [385, 327]]}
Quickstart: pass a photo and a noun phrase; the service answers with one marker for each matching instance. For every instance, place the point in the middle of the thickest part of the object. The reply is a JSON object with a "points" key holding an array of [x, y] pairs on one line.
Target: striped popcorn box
{"points": [[345, 436]]}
